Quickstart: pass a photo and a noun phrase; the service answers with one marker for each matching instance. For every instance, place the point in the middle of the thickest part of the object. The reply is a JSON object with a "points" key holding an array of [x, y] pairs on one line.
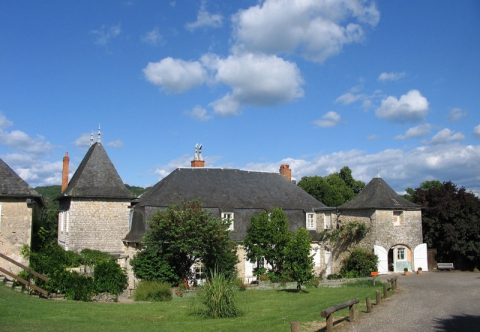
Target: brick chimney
{"points": [[66, 162], [197, 157], [286, 171]]}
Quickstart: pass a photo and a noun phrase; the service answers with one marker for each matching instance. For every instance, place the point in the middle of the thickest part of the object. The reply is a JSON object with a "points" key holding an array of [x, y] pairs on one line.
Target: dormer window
{"points": [[310, 221], [228, 216]]}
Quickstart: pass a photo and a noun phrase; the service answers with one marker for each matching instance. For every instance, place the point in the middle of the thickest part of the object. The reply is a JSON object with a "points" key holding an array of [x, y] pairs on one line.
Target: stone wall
{"points": [[15, 231], [94, 224]]}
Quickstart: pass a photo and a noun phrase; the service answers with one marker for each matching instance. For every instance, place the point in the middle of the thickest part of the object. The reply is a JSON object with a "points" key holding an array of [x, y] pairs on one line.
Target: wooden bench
{"points": [[328, 313], [445, 266]]}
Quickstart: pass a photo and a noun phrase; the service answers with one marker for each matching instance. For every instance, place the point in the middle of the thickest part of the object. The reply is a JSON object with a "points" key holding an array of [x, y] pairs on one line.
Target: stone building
{"points": [[19, 206], [395, 228], [234, 194], [94, 205]]}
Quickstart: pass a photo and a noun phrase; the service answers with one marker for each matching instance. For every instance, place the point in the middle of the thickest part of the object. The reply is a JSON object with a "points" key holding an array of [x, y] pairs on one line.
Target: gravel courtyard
{"points": [[432, 301]]}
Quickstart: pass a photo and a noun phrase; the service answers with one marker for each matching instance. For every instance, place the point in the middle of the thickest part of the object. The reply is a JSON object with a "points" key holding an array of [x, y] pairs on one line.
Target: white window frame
{"points": [[62, 220], [396, 217], [327, 221], [67, 227], [403, 252], [229, 216], [310, 221]]}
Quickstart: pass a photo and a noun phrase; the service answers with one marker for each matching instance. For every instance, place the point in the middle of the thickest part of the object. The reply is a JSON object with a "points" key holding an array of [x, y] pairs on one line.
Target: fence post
{"points": [[369, 305], [295, 326], [379, 300], [352, 312], [385, 291], [330, 323]]}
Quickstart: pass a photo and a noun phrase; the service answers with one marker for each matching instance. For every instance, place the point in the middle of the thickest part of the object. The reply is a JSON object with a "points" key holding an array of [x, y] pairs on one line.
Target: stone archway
{"points": [[399, 257]]}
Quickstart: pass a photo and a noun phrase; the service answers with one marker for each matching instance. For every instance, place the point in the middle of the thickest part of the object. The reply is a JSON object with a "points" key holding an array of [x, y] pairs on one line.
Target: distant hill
{"points": [[51, 192]]}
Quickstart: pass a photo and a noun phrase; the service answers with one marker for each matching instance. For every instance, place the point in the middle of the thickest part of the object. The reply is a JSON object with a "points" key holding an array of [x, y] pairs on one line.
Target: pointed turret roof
{"points": [[12, 185], [377, 194], [97, 177]]}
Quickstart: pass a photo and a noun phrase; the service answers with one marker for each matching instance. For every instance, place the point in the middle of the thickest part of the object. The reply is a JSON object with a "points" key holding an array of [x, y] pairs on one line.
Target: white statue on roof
{"points": [[198, 152]]}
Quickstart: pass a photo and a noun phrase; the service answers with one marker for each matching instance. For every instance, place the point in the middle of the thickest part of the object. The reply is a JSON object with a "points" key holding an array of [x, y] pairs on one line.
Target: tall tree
{"points": [[266, 238], [426, 185], [180, 236], [334, 189], [298, 261], [451, 222]]}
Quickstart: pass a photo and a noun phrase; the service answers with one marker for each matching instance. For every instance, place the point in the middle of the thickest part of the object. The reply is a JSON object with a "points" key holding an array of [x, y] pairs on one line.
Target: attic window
{"points": [[310, 221], [395, 202], [397, 215], [228, 216]]}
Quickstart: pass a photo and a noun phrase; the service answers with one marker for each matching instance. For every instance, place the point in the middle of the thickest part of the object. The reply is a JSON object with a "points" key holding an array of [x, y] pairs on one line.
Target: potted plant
{"points": [[419, 270], [405, 271]]}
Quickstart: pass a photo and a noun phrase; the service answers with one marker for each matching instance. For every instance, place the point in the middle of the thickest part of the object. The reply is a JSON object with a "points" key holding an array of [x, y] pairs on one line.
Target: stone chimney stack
{"points": [[66, 162], [286, 171], [197, 157]]}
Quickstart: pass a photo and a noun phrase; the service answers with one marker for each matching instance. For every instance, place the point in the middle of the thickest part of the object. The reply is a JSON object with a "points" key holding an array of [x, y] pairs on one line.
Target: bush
{"points": [[219, 296], [110, 277], [153, 291], [73, 285], [334, 276], [359, 264]]}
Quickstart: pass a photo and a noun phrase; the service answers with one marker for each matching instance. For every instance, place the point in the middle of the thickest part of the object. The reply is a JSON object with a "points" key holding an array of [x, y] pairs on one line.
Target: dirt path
{"points": [[432, 301]]}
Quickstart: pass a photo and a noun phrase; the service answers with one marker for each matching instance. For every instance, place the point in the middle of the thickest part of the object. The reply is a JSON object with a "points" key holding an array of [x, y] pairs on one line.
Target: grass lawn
{"points": [[267, 310]]}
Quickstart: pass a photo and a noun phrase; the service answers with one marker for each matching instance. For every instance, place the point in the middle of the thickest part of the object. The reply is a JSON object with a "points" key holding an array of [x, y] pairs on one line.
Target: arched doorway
{"points": [[399, 257]]}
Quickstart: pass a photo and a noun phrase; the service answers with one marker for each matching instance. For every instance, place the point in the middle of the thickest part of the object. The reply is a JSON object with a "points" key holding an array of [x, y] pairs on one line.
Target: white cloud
{"points": [[199, 113], [205, 19], [476, 131], [152, 37], [183, 161], [317, 29], [411, 107], [415, 132], [255, 80], [83, 141], [456, 113], [104, 34], [447, 135], [400, 169], [4, 122], [390, 76], [34, 171], [175, 75], [331, 119], [115, 144], [372, 137], [349, 98]]}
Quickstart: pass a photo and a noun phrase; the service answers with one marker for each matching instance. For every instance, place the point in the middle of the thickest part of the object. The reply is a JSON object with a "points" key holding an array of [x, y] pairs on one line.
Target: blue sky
{"points": [[388, 86]]}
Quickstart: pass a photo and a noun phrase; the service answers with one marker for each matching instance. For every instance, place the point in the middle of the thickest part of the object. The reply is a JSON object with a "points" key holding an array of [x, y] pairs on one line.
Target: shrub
{"points": [[73, 285], [110, 277], [359, 263], [219, 296], [153, 291], [334, 276]]}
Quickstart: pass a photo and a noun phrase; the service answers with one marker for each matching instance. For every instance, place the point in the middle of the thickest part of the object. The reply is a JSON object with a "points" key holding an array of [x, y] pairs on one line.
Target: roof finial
{"points": [[198, 152], [99, 135], [378, 174], [91, 138]]}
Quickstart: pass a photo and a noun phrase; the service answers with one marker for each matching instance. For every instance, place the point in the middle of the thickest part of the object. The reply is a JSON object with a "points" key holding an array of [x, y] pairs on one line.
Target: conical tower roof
{"points": [[97, 177], [377, 194], [11, 184]]}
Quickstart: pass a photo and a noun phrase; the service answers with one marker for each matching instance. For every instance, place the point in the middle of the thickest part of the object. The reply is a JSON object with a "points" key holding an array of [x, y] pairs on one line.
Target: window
{"points": [[400, 254], [62, 220], [228, 216], [310, 220], [68, 221], [327, 221], [130, 222], [397, 215]]}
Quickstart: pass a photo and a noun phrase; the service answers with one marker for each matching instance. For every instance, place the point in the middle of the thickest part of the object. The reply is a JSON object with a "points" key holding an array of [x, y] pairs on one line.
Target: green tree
{"points": [[179, 236], [427, 185], [334, 189], [298, 264], [267, 236], [451, 223], [360, 263]]}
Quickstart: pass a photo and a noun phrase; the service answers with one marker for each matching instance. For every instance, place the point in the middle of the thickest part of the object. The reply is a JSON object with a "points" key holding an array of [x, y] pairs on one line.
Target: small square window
{"points": [[310, 220], [397, 216], [228, 216]]}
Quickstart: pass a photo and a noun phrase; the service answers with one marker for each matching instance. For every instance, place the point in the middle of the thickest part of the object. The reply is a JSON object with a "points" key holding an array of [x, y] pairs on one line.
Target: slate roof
{"points": [[229, 189], [97, 177], [377, 194], [12, 185]]}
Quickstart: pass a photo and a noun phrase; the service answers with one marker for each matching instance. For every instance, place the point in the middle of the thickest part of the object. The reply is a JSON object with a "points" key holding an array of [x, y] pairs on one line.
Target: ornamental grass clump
{"points": [[154, 291], [219, 296]]}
